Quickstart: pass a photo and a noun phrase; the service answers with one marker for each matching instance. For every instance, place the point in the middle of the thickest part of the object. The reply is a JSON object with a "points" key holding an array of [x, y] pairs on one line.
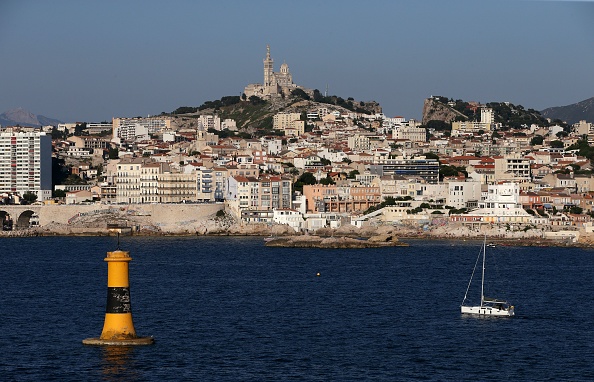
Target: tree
{"points": [[307, 178], [113, 153], [431, 155], [537, 140], [299, 93], [557, 144], [327, 180], [447, 170], [255, 100], [439, 125], [325, 162], [30, 197], [59, 194], [352, 174], [79, 129]]}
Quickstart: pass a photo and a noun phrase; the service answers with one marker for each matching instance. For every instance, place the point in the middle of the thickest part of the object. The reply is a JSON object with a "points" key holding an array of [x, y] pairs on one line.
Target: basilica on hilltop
{"points": [[275, 83]]}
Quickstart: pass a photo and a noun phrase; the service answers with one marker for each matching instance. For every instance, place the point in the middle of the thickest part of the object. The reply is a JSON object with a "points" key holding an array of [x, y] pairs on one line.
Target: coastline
{"points": [[355, 236]]}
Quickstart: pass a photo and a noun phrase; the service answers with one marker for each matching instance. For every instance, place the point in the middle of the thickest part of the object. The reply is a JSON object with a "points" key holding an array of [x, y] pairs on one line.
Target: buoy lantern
{"points": [[118, 328]]}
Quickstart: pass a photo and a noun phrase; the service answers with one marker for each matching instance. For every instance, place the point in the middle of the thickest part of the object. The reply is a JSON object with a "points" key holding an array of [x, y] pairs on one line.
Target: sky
{"points": [[89, 61]]}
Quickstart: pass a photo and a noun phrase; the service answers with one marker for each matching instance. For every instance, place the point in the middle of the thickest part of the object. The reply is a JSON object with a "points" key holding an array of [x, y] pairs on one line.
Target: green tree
{"points": [[299, 93], [325, 162], [307, 178], [113, 153], [439, 125], [352, 174], [431, 155], [327, 180], [447, 170], [30, 197], [537, 140], [557, 144]]}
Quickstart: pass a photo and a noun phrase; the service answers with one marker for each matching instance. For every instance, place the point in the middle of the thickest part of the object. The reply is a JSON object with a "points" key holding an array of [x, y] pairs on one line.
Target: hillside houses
{"points": [[358, 162]]}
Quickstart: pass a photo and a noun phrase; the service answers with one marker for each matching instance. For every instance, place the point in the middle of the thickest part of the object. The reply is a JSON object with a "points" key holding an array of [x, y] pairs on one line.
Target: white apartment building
{"points": [[134, 129], [461, 193], [26, 163], [210, 121], [128, 180], [140, 180]]}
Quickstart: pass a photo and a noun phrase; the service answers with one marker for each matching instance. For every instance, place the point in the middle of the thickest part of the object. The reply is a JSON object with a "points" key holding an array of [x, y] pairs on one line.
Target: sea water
{"points": [[231, 309]]}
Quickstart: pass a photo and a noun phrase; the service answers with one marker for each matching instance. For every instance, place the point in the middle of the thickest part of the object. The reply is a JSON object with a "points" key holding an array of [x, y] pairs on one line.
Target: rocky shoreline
{"points": [[343, 237], [314, 241]]}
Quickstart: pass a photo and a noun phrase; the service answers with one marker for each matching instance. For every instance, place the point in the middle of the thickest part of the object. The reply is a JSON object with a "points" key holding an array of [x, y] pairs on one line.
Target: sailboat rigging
{"points": [[488, 306]]}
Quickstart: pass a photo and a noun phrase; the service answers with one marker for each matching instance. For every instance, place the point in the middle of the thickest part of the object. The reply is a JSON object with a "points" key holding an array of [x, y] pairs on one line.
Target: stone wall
{"points": [[157, 218]]}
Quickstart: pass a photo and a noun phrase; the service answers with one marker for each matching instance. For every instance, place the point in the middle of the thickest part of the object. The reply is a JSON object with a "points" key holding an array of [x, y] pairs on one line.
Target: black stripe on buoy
{"points": [[118, 300]]}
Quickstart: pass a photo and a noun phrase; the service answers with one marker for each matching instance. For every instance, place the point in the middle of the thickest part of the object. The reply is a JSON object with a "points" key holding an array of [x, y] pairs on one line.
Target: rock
{"points": [[311, 241]]}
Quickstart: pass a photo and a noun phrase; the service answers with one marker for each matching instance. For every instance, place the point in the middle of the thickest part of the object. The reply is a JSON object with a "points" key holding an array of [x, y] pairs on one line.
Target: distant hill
{"points": [[571, 114], [23, 117]]}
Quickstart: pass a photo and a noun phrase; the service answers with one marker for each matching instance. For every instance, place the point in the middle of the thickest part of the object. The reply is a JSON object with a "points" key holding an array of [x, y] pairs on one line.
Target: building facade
{"points": [[26, 163], [275, 83]]}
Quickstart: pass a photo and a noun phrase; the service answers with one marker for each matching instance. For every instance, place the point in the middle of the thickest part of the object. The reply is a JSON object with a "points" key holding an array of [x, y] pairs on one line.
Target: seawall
{"points": [[146, 218]]}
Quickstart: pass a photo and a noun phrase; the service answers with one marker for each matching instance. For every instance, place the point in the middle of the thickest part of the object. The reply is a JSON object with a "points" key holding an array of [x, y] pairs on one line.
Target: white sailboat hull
{"points": [[488, 311]]}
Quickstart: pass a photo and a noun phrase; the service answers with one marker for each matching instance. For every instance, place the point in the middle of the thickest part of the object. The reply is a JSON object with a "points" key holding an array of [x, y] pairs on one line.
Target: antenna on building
{"points": [[326, 92]]}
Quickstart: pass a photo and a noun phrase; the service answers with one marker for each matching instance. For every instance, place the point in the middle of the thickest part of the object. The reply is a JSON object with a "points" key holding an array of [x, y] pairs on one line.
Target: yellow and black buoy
{"points": [[118, 329]]}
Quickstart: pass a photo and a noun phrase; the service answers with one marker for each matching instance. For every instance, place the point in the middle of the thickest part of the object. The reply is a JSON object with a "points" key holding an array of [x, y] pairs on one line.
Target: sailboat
{"points": [[489, 306]]}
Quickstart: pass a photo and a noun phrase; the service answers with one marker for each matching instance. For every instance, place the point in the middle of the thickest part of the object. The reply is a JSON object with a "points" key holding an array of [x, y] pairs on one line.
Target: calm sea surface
{"points": [[230, 309]]}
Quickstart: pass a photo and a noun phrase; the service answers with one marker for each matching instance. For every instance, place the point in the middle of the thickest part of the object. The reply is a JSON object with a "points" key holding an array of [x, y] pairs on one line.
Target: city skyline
{"points": [[93, 61]]}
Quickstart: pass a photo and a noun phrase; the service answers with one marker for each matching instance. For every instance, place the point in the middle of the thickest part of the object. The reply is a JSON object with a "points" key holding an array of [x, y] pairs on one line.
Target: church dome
{"points": [[284, 68]]}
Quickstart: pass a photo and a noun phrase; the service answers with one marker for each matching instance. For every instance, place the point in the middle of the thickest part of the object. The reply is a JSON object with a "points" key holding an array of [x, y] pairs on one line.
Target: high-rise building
{"points": [[26, 163]]}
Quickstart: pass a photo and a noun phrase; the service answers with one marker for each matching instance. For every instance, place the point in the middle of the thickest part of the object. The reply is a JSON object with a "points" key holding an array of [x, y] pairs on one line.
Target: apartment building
{"points": [[264, 193], [26, 163], [426, 169], [512, 168], [127, 180], [140, 180], [290, 123], [413, 134], [331, 198], [486, 124], [134, 129]]}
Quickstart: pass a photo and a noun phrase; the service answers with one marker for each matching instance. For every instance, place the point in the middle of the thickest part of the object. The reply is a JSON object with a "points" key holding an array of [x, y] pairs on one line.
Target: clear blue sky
{"points": [[89, 61]]}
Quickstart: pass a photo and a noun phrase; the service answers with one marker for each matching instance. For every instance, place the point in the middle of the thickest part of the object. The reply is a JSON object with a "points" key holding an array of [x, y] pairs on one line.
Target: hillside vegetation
{"points": [[255, 115]]}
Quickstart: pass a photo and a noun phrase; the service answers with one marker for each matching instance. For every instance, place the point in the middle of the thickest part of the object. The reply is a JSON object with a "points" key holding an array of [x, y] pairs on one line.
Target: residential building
{"points": [[26, 163], [426, 169]]}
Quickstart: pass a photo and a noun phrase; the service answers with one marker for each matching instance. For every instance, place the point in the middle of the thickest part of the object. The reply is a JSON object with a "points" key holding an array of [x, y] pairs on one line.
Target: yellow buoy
{"points": [[118, 328], [318, 274]]}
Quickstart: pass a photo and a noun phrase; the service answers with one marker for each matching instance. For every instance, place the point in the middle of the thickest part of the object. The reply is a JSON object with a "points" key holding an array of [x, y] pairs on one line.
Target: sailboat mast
{"points": [[483, 275]]}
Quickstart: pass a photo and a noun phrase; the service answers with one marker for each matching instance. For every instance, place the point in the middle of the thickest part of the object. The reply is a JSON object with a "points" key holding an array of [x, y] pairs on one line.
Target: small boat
{"points": [[269, 238], [488, 306]]}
